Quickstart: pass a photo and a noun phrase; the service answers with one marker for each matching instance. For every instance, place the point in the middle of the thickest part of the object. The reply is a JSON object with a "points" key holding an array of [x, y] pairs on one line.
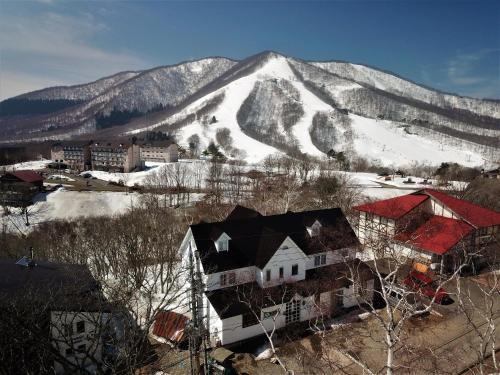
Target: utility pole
{"points": [[195, 330]]}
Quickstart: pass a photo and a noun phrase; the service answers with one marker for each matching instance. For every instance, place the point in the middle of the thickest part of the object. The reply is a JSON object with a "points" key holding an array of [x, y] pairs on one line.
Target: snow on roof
{"points": [[437, 235], [393, 208], [470, 212]]}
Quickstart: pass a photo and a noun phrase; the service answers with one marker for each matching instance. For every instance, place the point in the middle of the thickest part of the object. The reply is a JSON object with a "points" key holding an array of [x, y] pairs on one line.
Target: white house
{"points": [[263, 272], [64, 312]]}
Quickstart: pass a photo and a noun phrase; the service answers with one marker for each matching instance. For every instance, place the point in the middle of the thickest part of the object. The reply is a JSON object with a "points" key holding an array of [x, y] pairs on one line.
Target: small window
{"points": [[268, 275], [69, 352], [81, 348], [295, 269], [68, 330], [281, 272], [232, 278], [317, 260], [323, 258], [249, 319], [223, 245], [80, 327], [223, 279]]}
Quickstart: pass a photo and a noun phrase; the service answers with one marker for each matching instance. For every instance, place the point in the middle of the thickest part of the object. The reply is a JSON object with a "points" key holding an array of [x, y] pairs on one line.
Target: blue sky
{"points": [[450, 45]]}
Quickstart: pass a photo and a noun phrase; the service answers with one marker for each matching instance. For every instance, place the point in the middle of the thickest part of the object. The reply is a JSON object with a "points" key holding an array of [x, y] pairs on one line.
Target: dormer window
{"points": [[222, 243], [314, 229]]}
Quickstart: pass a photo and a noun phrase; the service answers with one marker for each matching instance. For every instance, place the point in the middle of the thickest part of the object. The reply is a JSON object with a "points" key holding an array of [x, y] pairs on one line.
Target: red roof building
{"points": [[393, 208], [475, 215], [440, 223], [24, 176], [437, 235]]}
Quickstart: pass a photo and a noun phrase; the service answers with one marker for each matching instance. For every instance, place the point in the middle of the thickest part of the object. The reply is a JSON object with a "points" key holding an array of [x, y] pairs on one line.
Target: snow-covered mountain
{"points": [[268, 103]]}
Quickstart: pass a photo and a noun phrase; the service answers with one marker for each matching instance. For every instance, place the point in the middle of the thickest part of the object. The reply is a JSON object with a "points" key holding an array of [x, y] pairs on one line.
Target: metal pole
{"points": [[194, 310]]}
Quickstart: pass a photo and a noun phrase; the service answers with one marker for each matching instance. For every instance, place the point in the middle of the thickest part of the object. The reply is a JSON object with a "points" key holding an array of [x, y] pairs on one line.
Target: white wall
{"points": [[91, 337], [332, 257], [243, 275], [213, 322], [286, 256]]}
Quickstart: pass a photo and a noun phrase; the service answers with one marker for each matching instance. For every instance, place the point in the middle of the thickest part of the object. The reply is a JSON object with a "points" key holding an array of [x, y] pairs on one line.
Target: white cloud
{"points": [[52, 48], [462, 69]]}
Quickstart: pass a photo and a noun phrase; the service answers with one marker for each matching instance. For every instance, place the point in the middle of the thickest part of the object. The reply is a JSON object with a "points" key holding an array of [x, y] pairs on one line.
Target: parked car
{"points": [[399, 297], [426, 286]]}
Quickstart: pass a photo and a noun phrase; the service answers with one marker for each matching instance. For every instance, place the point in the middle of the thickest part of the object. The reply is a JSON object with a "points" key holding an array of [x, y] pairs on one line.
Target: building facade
{"points": [[431, 228], [269, 272], [115, 157], [64, 312], [159, 152], [18, 188], [76, 155]]}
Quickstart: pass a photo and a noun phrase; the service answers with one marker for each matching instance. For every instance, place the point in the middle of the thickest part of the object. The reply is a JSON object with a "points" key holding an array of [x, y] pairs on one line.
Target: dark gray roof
{"points": [[62, 286], [255, 239]]}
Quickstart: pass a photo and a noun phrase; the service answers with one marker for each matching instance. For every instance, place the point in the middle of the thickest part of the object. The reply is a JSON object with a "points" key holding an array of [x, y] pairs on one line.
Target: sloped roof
{"points": [[254, 240], [241, 212], [27, 176], [62, 286], [240, 299], [470, 212], [393, 208], [437, 235], [170, 325]]}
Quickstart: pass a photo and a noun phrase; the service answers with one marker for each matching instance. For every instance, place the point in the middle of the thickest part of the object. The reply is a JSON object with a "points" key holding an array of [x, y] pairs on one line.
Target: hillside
{"points": [[268, 103]]}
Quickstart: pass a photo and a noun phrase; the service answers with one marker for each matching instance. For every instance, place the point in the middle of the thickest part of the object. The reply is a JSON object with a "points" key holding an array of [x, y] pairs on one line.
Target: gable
{"points": [[287, 252], [254, 241]]}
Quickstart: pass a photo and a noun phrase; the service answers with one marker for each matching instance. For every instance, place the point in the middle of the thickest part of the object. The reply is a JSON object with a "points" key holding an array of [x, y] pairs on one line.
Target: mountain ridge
{"points": [[178, 97]]}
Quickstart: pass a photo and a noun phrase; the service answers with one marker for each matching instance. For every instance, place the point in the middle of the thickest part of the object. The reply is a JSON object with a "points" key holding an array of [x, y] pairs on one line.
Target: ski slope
{"points": [[383, 141], [380, 141]]}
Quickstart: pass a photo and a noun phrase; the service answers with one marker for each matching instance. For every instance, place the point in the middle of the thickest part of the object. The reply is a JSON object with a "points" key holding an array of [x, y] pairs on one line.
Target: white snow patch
{"points": [[383, 141], [27, 165]]}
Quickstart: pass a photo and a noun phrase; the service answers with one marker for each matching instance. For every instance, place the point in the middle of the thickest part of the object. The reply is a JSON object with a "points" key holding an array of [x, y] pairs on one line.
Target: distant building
{"points": [[160, 152], [75, 154], [115, 156], [18, 188], [53, 316]]}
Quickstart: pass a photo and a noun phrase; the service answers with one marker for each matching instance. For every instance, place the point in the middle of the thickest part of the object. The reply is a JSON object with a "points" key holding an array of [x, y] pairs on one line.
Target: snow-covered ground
{"points": [[60, 177], [140, 178], [384, 141], [64, 204], [27, 165]]}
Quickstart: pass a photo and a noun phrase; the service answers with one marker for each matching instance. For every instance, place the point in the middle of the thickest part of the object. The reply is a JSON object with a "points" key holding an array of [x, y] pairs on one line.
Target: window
{"points": [[223, 245], [68, 330], [80, 326], [323, 259], [292, 312], [69, 352], [223, 278], [268, 275], [81, 348], [315, 229], [281, 272], [232, 278], [317, 260], [249, 319], [295, 269]]}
